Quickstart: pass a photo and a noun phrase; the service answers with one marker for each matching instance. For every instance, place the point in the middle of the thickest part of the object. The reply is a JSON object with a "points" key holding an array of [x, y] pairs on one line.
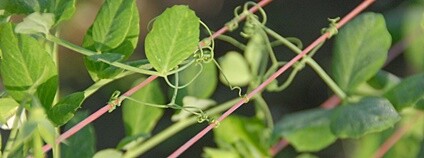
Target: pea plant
{"points": [[373, 111]]}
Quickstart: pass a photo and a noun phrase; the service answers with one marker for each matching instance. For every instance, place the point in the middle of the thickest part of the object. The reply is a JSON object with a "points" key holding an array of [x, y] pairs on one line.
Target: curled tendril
{"points": [[216, 122], [233, 24], [226, 80], [249, 5], [240, 12], [204, 56], [332, 27]]}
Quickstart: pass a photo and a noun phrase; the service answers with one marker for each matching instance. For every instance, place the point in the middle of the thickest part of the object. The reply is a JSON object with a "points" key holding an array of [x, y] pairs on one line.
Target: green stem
{"points": [[327, 79], [12, 136], [261, 103], [56, 147], [175, 128], [232, 41], [70, 46], [98, 84], [37, 145], [87, 52]]}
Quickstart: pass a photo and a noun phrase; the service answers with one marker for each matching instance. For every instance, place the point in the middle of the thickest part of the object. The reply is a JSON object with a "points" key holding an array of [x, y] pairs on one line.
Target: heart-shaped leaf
{"points": [[173, 38]]}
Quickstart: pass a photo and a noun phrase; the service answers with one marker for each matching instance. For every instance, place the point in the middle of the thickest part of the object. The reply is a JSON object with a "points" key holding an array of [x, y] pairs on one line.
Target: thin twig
{"points": [[323, 37]]}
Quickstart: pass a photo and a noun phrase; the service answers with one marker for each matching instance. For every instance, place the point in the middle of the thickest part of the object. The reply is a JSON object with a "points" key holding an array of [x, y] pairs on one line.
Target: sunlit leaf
{"points": [[21, 68], [124, 47], [36, 23], [173, 38], [8, 108]]}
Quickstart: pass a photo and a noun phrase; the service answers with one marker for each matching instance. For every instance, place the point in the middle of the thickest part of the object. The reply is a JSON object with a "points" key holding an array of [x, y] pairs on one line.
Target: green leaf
{"points": [[384, 80], [86, 135], [247, 135], [366, 116], [8, 108], [407, 93], [25, 6], [413, 28], [173, 38], [26, 68], [36, 23], [141, 118], [256, 54], [65, 109], [235, 69], [302, 128], [64, 10], [125, 47], [108, 153], [360, 50], [207, 80], [112, 24]]}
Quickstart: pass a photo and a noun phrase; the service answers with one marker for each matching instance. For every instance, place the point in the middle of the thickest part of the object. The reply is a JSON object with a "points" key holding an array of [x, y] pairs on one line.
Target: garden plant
{"points": [[374, 112]]}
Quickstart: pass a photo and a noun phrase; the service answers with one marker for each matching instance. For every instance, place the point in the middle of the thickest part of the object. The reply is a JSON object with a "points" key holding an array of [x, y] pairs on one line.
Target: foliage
{"points": [[372, 100]]}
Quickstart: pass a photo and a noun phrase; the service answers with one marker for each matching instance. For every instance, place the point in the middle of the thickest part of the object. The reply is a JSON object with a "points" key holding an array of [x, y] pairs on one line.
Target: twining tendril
{"points": [[228, 82], [115, 100], [239, 12], [332, 27]]}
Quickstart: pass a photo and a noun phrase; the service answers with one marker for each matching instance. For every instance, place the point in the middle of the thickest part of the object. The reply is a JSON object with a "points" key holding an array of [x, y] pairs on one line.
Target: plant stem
{"points": [[327, 79], [172, 130], [261, 103], [12, 136], [232, 41], [70, 45]]}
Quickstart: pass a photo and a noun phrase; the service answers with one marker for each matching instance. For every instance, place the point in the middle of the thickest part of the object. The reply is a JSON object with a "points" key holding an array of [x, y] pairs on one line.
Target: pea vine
{"points": [[180, 52]]}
